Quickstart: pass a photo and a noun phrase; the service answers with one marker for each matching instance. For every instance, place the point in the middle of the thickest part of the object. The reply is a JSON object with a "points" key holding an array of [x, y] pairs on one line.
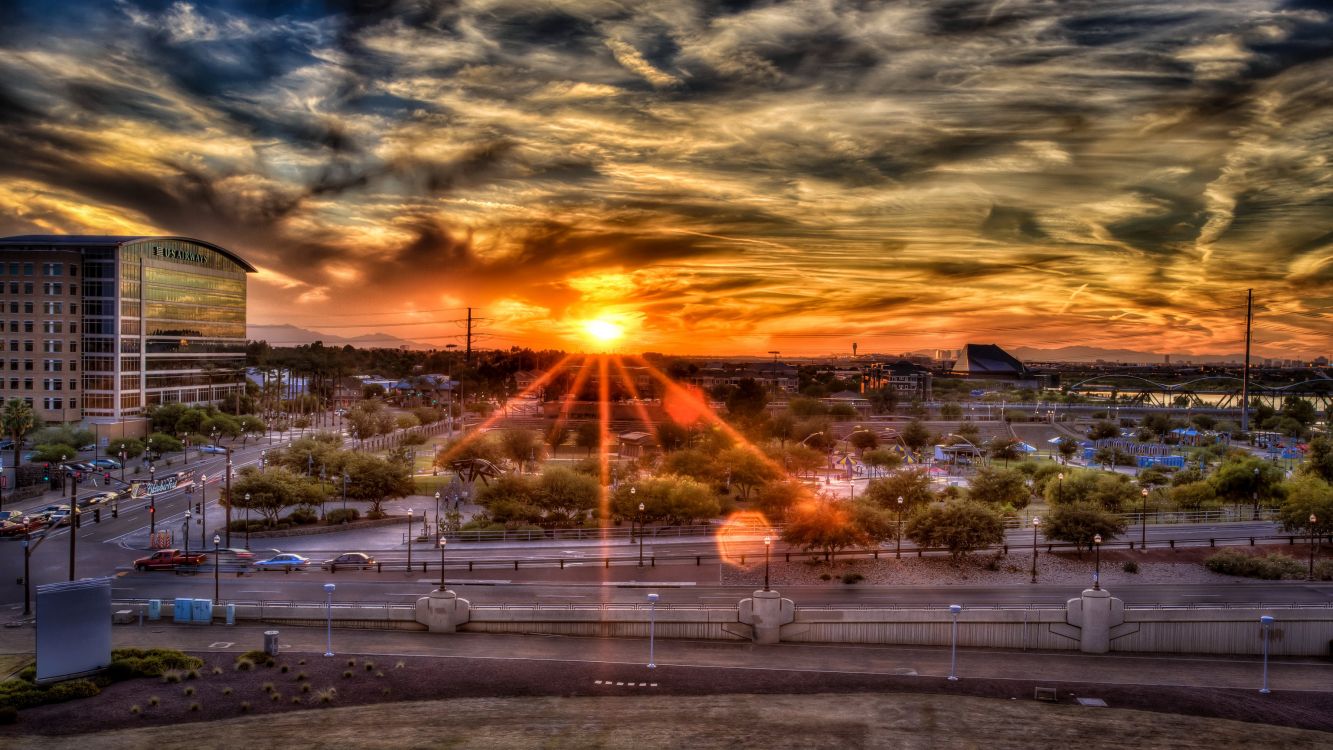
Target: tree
{"points": [[1106, 490], [510, 502], [672, 436], [776, 499], [693, 463], [668, 499], [1247, 480], [746, 398], [375, 480], [520, 446], [745, 468], [951, 411], [164, 443], [565, 497], [129, 446], [915, 435], [881, 458], [405, 421], [1194, 496], [960, 527], [1319, 462], [251, 426], [588, 435], [54, 452], [864, 440], [823, 525], [1306, 495], [999, 488], [782, 427], [18, 419], [968, 431], [1004, 448], [1103, 430], [556, 436], [273, 491], [1078, 523], [1068, 447], [912, 486], [804, 408]]}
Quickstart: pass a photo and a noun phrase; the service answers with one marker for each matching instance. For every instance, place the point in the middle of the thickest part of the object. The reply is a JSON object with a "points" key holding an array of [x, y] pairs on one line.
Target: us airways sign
{"points": [[171, 253]]}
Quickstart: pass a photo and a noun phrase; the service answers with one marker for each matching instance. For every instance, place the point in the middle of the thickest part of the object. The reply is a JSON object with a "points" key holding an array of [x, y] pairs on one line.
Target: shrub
{"points": [[129, 663], [347, 674], [245, 706], [275, 696], [268, 687], [1271, 567], [258, 656], [369, 665], [351, 662], [341, 515], [850, 578], [326, 696], [305, 687], [226, 690], [303, 517], [189, 691], [399, 665], [300, 676], [136, 709], [825, 577], [154, 700], [284, 669], [1323, 570], [296, 699], [1130, 567], [217, 670], [244, 665], [195, 706], [172, 676], [301, 663], [379, 674], [193, 674]]}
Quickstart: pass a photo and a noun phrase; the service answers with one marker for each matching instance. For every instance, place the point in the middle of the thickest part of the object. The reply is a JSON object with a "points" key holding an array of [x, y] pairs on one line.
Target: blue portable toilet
{"points": [[231, 613], [154, 609], [203, 611], [183, 610]]}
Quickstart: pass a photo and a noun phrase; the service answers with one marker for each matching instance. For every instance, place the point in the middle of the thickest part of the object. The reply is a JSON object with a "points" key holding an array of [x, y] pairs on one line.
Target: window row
{"points": [[48, 365], [48, 384], [51, 404], [48, 269], [49, 346]]}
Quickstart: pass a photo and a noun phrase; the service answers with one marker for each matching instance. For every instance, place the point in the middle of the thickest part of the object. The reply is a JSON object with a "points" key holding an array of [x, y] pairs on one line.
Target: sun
{"points": [[602, 331]]}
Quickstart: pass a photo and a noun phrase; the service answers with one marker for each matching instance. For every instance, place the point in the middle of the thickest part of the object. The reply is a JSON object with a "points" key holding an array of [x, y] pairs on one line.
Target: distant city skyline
{"points": [[705, 178]]}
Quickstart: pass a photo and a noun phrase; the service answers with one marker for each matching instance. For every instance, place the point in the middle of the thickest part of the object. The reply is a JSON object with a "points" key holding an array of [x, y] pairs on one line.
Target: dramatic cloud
{"points": [[717, 176]]}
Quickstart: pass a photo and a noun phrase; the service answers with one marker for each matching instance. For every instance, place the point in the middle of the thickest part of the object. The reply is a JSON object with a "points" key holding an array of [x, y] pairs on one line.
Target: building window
{"points": [[27, 288], [13, 269], [13, 345], [13, 326], [73, 384], [13, 287], [27, 365], [74, 365], [13, 384], [73, 308], [73, 271], [27, 345], [14, 307], [27, 269], [74, 402], [27, 308], [73, 327], [27, 384], [27, 326], [14, 364]]}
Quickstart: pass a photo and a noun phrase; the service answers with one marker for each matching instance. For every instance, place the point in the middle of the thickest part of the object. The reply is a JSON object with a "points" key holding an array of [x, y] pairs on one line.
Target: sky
{"points": [[721, 177]]}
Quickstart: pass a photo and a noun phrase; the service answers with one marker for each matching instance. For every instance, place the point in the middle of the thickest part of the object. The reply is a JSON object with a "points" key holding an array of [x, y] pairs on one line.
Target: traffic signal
{"points": [[197, 508], [106, 477], [46, 472], [97, 515]]}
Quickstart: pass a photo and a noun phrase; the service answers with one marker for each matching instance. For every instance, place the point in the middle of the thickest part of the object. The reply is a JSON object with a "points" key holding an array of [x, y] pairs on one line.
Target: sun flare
{"points": [[602, 331]]}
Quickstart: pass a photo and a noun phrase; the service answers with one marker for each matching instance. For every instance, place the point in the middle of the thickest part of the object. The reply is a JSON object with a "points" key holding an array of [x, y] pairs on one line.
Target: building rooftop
{"points": [[110, 240]]}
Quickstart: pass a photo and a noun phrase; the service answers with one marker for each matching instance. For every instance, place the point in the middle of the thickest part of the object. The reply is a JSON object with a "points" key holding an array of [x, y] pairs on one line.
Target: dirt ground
{"points": [[358, 681]]}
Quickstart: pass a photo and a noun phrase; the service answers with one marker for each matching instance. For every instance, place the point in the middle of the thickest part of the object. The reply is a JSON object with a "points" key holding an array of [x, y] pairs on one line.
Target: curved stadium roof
{"points": [[108, 240]]}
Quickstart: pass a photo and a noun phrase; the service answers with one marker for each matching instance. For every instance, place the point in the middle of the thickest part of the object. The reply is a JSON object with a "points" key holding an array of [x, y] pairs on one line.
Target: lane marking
{"points": [[222, 644]]}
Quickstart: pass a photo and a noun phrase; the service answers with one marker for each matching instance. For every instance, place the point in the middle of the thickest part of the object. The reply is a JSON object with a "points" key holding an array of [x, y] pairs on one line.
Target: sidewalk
{"points": [[1054, 668]]}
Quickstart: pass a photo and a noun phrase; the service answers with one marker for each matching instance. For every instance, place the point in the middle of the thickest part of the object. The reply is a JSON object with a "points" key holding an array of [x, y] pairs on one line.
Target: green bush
{"points": [[1269, 568], [1323, 570], [303, 517], [1130, 566], [850, 578], [19, 694], [341, 515], [258, 656]]}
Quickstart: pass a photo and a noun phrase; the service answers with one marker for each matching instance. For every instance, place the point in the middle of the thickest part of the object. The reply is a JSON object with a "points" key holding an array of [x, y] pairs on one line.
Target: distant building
{"points": [[989, 361]]}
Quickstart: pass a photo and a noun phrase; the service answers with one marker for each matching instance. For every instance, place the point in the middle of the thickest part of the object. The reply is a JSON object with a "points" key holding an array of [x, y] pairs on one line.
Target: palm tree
{"points": [[17, 420]]}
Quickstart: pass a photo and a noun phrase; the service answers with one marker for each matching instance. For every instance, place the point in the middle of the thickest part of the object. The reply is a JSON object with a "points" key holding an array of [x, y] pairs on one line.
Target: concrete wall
{"points": [[1297, 632], [987, 628]]}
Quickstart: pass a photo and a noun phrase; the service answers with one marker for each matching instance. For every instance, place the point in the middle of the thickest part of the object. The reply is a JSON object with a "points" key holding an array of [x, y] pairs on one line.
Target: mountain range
{"points": [[290, 335]]}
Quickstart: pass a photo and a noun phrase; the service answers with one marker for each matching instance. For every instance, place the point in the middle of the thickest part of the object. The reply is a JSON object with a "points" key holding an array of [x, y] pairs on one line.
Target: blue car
{"points": [[212, 449], [286, 561]]}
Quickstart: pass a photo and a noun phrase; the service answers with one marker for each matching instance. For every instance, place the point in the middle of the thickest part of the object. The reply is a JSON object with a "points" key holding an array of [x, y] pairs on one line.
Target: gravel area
{"points": [[1154, 566]]}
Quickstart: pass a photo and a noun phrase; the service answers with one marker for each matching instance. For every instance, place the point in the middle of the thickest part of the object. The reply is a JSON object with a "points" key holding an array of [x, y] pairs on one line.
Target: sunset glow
{"points": [[602, 331]]}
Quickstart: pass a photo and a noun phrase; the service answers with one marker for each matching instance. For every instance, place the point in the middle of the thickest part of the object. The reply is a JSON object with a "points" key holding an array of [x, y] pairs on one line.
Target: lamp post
{"points": [[226, 526], [409, 540], [898, 532], [345, 478], [1143, 522], [217, 580], [187, 531], [442, 542], [1060, 488], [1266, 622], [640, 530], [1036, 524], [768, 542], [1256, 493], [247, 518], [1313, 520], [203, 504], [27, 584], [328, 613], [954, 609], [152, 502], [652, 624], [1097, 572], [122, 467], [437, 514]]}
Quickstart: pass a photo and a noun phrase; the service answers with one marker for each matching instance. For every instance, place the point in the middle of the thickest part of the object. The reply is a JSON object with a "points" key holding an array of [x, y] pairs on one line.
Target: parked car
{"points": [[100, 498], [352, 560], [53, 514], [168, 559], [287, 561], [212, 449], [6, 444], [21, 525], [105, 463]]}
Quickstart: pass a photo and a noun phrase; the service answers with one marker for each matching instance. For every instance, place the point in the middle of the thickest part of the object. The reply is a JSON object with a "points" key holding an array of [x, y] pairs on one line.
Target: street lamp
{"points": [[247, 518], [1143, 522], [652, 625], [152, 501], [768, 542], [1313, 520], [1256, 493], [409, 540], [1266, 622], [187, 531], [640, 530], [217, 581], [898, 533], [954, 609], [1097, 573], [1060, 488], [1036, 524], [328, 610], [437, 514], [122, 467]]}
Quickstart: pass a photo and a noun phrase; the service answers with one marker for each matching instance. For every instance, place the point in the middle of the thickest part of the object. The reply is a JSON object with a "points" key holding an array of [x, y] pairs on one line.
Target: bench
{"points": [[122, 617], [1048, 694]]}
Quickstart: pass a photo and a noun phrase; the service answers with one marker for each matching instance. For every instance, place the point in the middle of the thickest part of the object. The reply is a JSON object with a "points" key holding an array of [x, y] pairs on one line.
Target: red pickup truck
{"points": [[168, 559]]}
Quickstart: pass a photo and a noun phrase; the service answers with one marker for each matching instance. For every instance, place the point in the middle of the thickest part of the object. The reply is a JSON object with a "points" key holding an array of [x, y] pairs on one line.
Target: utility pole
{"points": [[467, 357], [1245, 376], [227, 522]]}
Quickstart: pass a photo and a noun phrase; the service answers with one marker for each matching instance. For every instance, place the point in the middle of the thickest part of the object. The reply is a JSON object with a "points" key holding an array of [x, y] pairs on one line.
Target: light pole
{"points": [[122, 467], [152, 502], [247, 519], [441, 562], [1143, 522], [898, 533], [652, 625], [409, 540], [1266, 622], [954, 609], [768, 542], [437, 514], [328, 613], [1036, 524], [1097, 572], [203, 504], [1060, 488], [345, 478], [640, 531], [187, 531], [27, 584], [217, 557], [1256, 493], [1313, 520], [226, 526]]}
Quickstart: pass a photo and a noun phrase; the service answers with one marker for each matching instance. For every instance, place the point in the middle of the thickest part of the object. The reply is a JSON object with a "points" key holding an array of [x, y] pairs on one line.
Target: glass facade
{"points": [[141, 321]]}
